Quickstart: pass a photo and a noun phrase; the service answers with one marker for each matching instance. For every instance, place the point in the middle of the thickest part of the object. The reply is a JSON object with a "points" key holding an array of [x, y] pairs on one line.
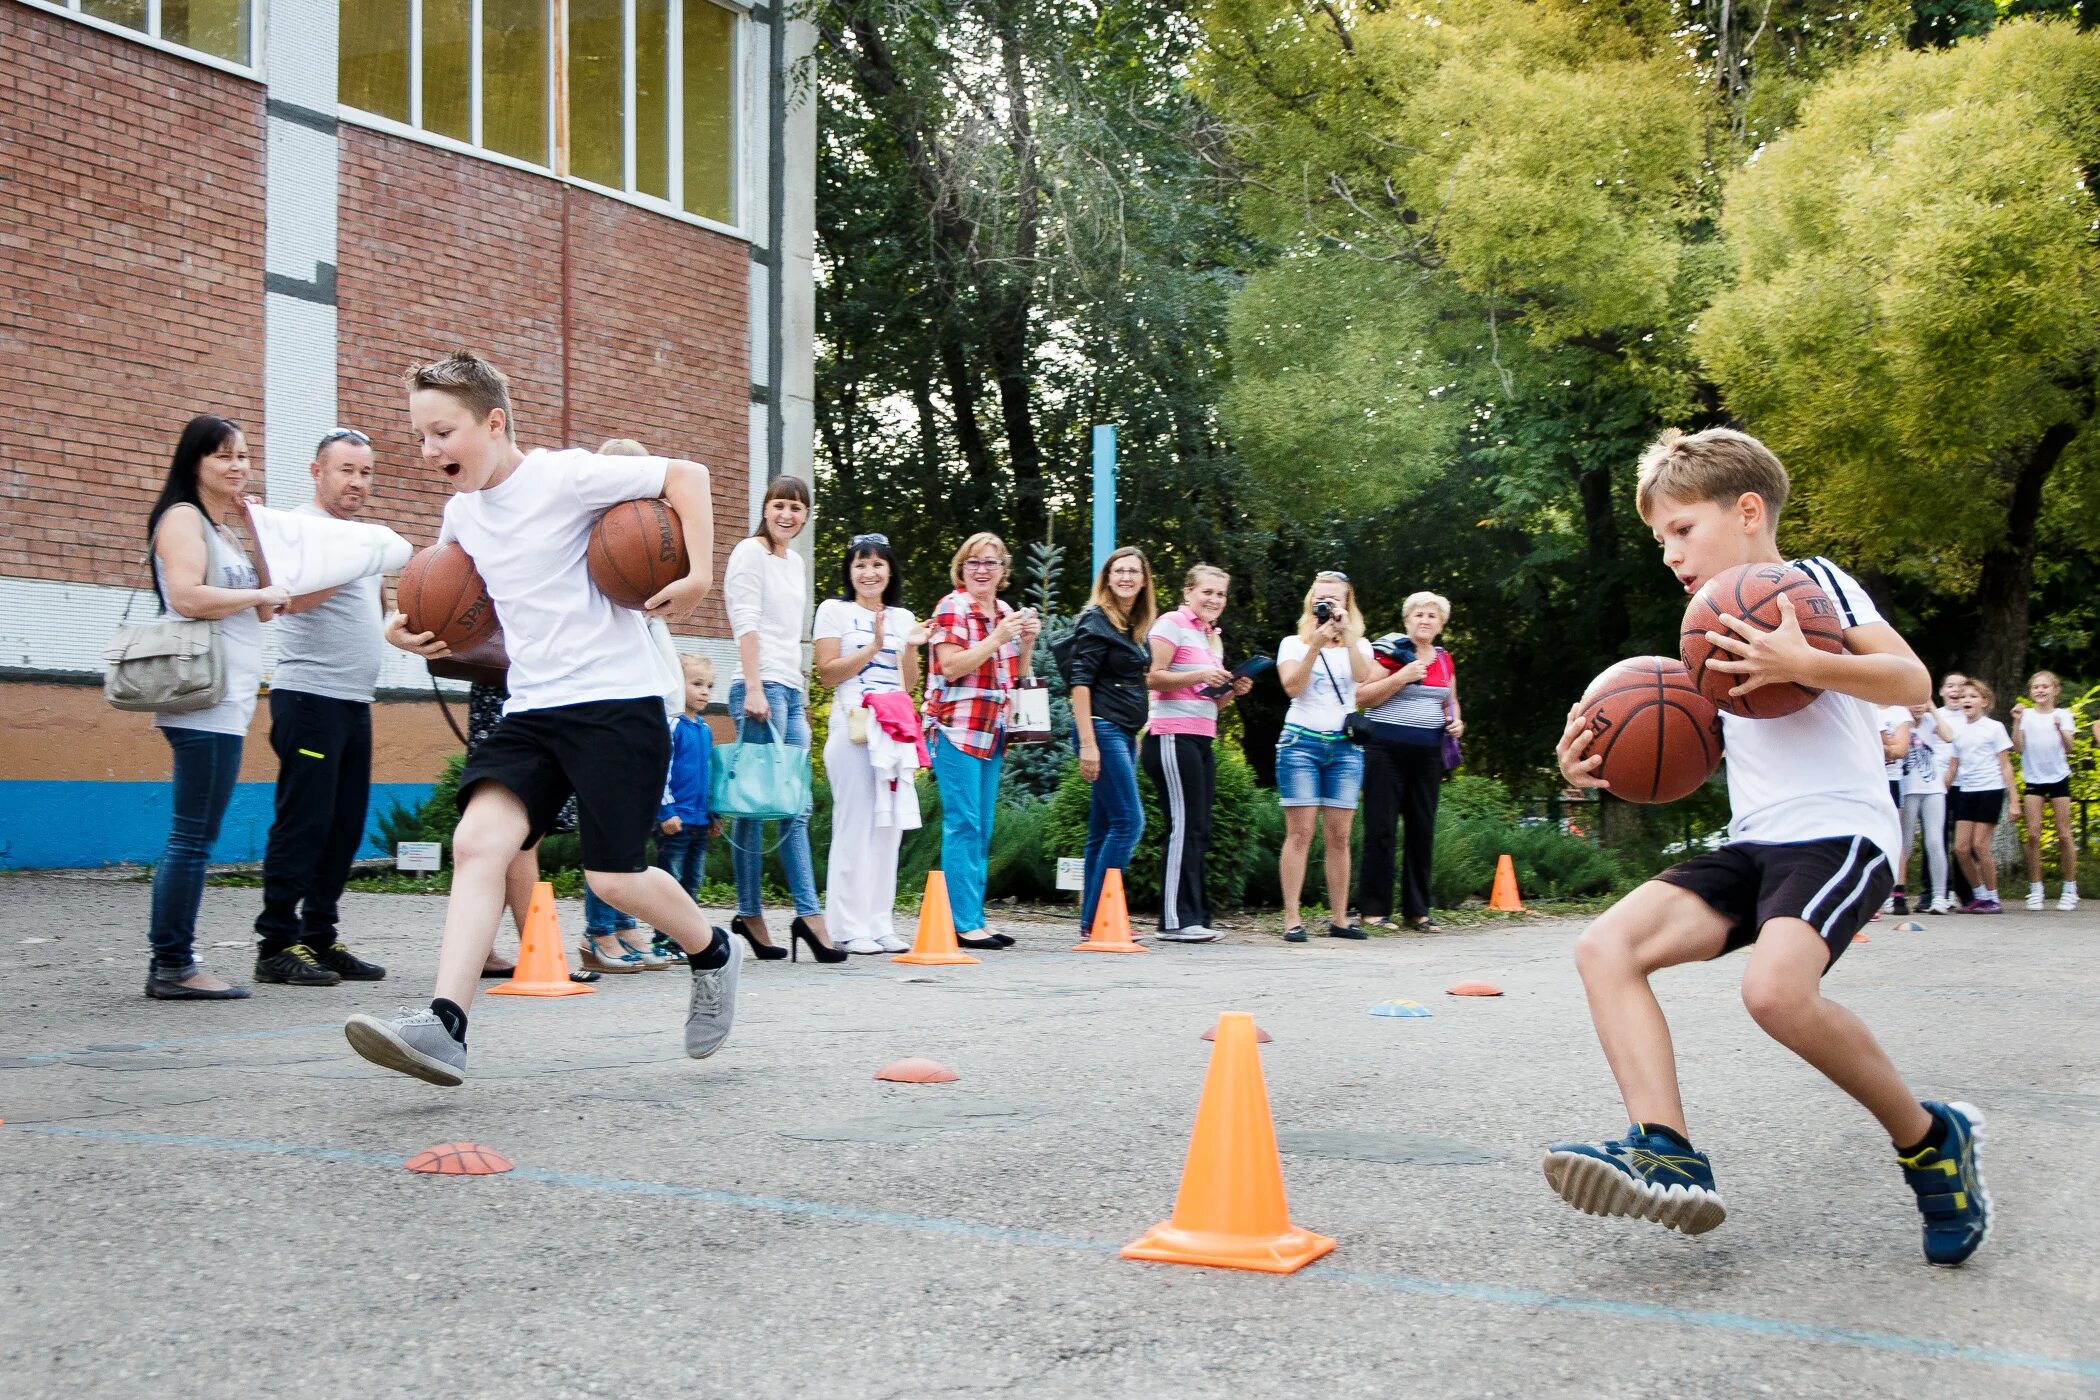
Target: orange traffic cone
{"points": [[1231, 1211], [1504, 897], [543, 970], [1111, 931], [935, 945]]}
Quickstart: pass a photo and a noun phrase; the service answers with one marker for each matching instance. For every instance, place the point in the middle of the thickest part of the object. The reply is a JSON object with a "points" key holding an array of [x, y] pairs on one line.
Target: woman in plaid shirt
{"points": [[980, 648]]}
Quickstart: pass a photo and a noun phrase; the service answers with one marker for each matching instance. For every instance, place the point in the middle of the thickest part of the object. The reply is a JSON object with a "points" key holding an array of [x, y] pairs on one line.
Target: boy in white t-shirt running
{"points": [[2044, 735], [1812, 837], [585, 713]]}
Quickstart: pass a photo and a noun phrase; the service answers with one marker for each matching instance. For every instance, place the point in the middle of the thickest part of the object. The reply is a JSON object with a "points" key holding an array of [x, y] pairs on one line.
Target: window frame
{"points": [[258, 16], [558, 36]]}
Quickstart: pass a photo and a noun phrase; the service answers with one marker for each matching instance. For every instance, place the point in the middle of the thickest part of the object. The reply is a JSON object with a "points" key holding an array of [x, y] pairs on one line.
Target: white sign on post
{"points": [[1071, 873], [418, 855]]}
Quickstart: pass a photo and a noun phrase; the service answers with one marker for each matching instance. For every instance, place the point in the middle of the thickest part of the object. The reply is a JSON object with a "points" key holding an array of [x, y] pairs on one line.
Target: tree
{"points": [[1915, 322]]}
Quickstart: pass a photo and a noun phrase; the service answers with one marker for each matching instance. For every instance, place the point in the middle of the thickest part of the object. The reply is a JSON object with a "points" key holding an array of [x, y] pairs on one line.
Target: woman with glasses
{"points": [[1106, 671], [865, 645], [1410, 713], [766, 593], [980, 648], [1319, 769]]}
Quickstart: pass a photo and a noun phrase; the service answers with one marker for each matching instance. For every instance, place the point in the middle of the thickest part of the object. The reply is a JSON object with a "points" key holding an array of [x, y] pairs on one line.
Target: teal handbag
{"points": [[759, 782]]}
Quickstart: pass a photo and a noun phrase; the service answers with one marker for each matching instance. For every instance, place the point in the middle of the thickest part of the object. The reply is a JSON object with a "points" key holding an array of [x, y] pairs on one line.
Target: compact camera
{"points": [[1323, 611]]}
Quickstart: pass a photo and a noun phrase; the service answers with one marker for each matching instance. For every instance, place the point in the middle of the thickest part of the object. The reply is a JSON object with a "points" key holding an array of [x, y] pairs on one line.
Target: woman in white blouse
{"points": [[865, 644], [766, 592]]}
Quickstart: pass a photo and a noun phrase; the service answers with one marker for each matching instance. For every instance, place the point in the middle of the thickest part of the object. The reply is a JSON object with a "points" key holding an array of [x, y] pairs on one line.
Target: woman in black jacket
{"points": [[1107, 675]]}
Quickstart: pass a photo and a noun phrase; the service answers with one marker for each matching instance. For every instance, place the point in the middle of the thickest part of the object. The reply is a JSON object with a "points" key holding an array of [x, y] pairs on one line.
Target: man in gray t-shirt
{"points": [[329, 649]]}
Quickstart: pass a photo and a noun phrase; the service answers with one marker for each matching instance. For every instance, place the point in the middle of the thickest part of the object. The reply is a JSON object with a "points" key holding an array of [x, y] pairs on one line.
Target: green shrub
{"points": [[434, 818], [1238, 825]]}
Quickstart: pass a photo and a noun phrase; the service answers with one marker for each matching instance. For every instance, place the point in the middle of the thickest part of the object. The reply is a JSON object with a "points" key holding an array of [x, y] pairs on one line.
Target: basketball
{"points": [[1751, 592], [1658, 736], [637, 549], [441, 591]]}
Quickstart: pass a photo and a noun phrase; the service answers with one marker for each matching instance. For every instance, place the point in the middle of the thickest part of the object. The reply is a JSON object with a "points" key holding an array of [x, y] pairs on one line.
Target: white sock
{"points": [[2070, 887], [1990, 896]]}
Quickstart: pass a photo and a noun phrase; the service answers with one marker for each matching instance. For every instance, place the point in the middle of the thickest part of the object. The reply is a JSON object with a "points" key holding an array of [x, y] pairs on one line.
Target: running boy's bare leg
{"points": [[484, 846], [655, 897], [1783, 990], [1658, 925]]}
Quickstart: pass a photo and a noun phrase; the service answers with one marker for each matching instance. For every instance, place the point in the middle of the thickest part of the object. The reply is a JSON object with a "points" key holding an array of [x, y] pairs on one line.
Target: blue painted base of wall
{"points": [[70, 826]]}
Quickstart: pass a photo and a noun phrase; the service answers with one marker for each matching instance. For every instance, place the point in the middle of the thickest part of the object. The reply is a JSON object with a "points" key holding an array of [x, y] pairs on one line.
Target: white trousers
{"points": [[1929, 810], [860, 894]]}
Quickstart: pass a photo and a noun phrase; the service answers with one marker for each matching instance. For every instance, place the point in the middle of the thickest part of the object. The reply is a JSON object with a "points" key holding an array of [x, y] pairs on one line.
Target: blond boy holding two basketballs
{"points": [[585, 713], [1812, 838]]}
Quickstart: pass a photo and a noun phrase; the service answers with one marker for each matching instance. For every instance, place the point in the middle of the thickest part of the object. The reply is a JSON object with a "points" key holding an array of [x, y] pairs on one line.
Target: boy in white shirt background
{"points": [[585, 712], [2043, 735], [1979, 775]]}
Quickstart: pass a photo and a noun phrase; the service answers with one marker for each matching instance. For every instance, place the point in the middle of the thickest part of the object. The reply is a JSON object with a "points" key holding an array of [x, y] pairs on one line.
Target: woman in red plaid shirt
{"points": [[980, 648]]}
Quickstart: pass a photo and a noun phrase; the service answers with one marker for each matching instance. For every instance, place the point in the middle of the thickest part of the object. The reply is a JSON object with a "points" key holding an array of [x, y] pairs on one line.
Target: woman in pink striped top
{"points": [[1187, 657]]}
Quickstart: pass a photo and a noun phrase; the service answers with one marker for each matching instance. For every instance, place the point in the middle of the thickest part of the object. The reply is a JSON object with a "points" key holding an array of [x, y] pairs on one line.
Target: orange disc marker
{"points": [[1473, 989], [543, 970], [458, 1159], [917, 1071]]}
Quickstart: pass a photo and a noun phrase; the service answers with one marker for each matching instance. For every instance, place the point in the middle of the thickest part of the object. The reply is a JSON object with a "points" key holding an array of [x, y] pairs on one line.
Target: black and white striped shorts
{"points": [[1833, 885]]}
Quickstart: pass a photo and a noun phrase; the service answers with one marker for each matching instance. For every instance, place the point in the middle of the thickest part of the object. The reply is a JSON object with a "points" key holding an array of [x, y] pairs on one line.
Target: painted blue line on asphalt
{"points": [[1895, 1342]]}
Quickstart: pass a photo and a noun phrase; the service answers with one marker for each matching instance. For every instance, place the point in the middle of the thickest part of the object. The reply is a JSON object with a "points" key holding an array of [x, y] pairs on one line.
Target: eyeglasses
{"points": [[342, 435], [1336, 574], [984, 563], [858, 540]]}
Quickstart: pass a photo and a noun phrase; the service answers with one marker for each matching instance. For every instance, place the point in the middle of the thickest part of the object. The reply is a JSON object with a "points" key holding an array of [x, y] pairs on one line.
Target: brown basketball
{"points": [[637, 549], [441, 591], [1751, 592], [1658, 736]]}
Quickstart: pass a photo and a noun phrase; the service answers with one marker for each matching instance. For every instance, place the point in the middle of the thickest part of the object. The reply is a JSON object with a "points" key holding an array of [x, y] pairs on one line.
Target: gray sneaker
{"points": [[712, 1010], [413, 1042], [1189, 933]]}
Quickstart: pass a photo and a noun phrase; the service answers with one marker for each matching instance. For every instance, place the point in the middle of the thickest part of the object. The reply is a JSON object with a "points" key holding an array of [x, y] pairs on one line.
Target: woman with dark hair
{"points": [[1106, 670], [865, 645], [200, 570], [766, 592]]}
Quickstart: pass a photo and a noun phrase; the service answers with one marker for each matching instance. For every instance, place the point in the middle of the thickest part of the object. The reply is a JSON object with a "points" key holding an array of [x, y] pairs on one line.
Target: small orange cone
{"points": [[1231, 1210], [1111, 931], [935, 945], [543, 971], [459, 1159], [1504, 898], [1473, 989], [917, 1071]]}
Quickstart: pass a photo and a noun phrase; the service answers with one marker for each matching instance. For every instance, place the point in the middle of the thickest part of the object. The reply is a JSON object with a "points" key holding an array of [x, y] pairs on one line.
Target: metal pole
{"points": [[1104, 494]]}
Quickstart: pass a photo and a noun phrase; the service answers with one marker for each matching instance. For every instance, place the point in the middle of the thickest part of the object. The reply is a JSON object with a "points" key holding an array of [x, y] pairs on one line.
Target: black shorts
{"points": [[1985, 807], [1834, 886], [612, 754], [2060, 788]]}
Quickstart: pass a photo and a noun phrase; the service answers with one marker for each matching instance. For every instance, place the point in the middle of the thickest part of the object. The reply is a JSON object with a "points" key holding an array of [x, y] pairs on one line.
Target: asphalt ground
{"points": [[208, 1199]]}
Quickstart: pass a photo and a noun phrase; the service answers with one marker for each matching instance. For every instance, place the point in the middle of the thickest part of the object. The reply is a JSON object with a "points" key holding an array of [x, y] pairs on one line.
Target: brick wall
{"points": [[131, 250], [439, 250]]}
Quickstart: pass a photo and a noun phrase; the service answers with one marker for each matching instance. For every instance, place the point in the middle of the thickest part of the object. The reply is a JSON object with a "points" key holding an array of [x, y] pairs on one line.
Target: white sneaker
{"points": [[1189, 933], [1943, 905], [891, 943], [1888, 906], [2034, 896], [2069, 898], [863, 946]]}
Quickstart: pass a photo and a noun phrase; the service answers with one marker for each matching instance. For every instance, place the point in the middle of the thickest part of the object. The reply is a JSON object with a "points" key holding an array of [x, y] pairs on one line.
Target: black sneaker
{"points": [[295, 967], [1902, 904], [338, 958]]}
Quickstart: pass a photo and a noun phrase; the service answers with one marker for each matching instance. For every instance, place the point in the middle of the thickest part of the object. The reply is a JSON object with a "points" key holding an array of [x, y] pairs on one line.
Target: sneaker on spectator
{"points": [[2035, 896], [2069, 898]]}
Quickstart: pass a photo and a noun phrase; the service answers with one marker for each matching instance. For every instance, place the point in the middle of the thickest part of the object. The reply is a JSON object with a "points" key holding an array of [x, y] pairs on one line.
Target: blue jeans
{"points": [[747, 838], [969, 800], [206, 767], [684, 855], [601, 920], [1116, 820], [1318, 770]]}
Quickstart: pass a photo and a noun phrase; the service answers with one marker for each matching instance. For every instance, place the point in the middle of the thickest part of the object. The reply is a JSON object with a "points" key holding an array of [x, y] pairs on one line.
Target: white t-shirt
{"points": [[567, 642], [1894, 717], [854, 626], [1926, 774], [1330, 694], [1816, 774], [1977, 748], [2045, 745], [768, 593]]}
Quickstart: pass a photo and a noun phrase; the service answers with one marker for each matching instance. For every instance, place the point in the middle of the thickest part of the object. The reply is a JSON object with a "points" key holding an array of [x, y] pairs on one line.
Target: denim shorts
{"points": [[1315, 770]]}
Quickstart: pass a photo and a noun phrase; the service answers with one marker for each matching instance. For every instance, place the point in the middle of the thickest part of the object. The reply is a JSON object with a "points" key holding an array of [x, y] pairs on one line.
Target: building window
{"points": [[221, 28], [638, 96]]}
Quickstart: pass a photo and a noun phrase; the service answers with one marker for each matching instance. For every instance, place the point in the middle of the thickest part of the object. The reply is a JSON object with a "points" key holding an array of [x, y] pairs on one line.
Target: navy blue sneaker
{"points": [[1949, 1186], [1643, 1175]]}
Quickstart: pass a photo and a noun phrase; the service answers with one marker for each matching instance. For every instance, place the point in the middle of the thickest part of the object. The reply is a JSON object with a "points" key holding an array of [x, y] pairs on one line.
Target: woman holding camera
{"points": [[1319, 768], [1410, 714]]}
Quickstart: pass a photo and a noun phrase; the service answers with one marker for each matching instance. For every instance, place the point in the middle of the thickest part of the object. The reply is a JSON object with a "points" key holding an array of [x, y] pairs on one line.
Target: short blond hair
{"points": [[1720, 465], [981, 540], [478, 385], [691, 661], [1416, 600], [621, 447]]}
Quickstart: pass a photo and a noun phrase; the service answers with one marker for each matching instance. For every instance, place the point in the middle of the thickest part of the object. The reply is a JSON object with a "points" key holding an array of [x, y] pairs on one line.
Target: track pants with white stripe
{"points": [[1184, 771]]}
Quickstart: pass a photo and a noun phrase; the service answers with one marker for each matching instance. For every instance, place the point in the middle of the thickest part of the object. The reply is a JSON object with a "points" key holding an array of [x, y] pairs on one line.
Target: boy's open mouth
{"points": [[451, 468], [1690, 582]]}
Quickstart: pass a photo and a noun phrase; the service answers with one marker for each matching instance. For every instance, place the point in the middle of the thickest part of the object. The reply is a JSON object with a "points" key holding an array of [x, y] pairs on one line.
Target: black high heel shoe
{"points": [[800, 932], [764, 952]]}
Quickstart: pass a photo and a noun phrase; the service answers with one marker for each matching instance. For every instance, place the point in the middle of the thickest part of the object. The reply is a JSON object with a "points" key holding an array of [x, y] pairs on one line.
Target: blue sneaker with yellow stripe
{"points": [[1949, 1186], [1644, 1175]]}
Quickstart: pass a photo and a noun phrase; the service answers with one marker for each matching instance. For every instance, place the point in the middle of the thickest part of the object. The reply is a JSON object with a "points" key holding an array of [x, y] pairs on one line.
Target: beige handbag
{"points": [[169, 666], [857, 721]]}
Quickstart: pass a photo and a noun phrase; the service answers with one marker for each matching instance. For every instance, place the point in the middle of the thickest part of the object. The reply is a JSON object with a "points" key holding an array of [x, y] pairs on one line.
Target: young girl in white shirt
{"points": [[1980, 775], [2043, 735]]}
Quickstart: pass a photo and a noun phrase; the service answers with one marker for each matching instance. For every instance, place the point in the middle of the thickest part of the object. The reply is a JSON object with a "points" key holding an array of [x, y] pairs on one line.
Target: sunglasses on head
{"points": [[858, 540], [1335, 574], [343, 435]]}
